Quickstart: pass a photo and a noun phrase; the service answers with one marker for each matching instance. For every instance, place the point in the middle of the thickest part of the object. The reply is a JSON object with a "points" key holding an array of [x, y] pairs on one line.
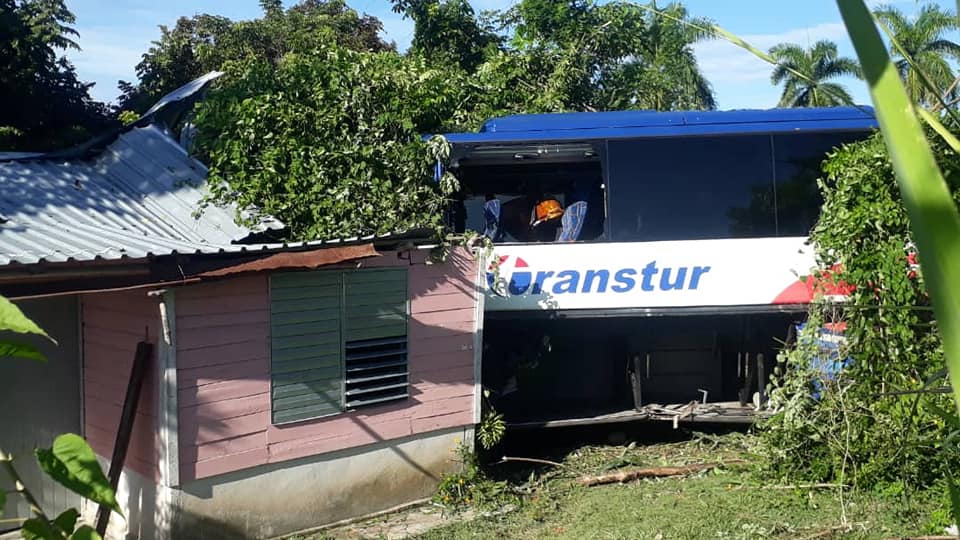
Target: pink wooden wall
{"points": [[113, 324], [223, 360]]}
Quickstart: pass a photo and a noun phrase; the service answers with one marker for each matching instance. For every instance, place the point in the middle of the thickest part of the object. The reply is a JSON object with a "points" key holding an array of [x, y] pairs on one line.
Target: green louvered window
{"points": [[338, 341]]}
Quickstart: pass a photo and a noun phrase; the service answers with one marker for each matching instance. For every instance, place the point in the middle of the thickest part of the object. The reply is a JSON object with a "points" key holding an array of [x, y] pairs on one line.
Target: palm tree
{"points": [[922, 40], [818, 65], [664, 75]]}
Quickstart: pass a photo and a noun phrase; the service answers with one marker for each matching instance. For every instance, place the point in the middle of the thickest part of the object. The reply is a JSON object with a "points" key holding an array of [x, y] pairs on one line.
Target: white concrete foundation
{"points": [[146, 508], [307, 493]]}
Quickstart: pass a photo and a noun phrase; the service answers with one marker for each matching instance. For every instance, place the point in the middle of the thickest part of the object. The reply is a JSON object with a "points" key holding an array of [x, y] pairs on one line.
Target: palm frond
{"points": [[944, 47], [893, 18], [840, 67], [834, 95]]}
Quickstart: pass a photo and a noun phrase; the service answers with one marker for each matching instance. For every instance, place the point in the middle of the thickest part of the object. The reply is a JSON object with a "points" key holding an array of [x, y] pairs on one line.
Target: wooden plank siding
{"points": [[224, 371], [113, 324]]}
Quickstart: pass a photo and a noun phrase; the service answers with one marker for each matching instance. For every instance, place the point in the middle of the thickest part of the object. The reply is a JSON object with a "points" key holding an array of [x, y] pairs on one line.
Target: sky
{"points": [[114, 34]]}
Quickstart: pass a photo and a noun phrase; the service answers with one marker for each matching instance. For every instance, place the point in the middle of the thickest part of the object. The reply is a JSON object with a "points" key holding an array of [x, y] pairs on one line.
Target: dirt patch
{"points": [[408, 523]]}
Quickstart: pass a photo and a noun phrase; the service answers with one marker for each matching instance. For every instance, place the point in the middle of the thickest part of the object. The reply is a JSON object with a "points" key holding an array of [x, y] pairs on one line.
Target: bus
{"points": [[645, 265]]}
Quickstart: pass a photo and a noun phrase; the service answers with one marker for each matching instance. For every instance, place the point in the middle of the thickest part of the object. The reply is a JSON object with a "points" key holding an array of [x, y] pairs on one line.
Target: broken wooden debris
{"points": [[740, 485], [506, 459], [653, 472], [807, 486], [831, 532], [941, 537]]}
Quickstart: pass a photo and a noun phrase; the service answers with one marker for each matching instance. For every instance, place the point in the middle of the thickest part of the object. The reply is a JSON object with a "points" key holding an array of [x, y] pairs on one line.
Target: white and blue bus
{"points": [[675, 272]]}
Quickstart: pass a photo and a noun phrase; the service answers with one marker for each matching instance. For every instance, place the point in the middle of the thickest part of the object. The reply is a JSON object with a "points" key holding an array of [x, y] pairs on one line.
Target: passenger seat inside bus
{"points": [[571, 223]]}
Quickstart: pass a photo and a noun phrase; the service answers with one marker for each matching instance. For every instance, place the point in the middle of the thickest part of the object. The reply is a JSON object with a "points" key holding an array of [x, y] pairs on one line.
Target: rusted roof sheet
{"points": [[304, 260], [299, 260]]}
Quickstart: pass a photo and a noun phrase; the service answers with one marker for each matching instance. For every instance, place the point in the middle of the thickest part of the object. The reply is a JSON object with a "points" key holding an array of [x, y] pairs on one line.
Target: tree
{"points": [[329, 140], [922, 39], [585, 56], [818, 65], [174, 60], [665, 74], [447, 32], [204, 43], [323, 131], [47, 105]]}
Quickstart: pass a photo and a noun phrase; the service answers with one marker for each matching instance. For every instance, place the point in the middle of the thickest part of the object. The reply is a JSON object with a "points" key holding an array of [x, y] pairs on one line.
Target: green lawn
{"points": [[727, 503]]}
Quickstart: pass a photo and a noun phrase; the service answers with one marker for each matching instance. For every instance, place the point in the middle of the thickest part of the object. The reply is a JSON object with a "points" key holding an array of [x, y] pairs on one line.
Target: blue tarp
{"points": [[827, 363]]}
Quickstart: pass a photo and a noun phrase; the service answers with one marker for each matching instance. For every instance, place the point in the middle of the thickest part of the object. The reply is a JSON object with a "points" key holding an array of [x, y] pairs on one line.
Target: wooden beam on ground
{"points": [[653, 472]]}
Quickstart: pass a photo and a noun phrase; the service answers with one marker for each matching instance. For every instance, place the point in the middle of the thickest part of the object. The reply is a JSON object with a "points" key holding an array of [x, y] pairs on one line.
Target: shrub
{"points": [[883, 421]]}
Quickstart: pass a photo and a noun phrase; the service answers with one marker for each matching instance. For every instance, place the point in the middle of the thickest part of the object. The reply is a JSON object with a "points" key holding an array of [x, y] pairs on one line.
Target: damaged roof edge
{"points": [[388, 240], [185, 92], [35, 281], [135, 192], [184, 95]]}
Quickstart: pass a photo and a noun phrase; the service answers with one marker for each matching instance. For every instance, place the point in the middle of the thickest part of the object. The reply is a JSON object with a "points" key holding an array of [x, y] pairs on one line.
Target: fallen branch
{"points": [[505, 459], [923, 538], [807, 486], [830, 532], [652, 472]]}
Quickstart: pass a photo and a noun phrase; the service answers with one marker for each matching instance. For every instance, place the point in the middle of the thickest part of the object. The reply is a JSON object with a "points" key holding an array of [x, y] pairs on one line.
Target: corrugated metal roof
{"points": [[186, 91], [637, 124], [138, 197]]}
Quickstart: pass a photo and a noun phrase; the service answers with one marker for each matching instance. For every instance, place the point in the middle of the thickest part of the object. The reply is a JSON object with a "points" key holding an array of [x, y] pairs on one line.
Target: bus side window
{"points": [[691, 188], [798, 160]]}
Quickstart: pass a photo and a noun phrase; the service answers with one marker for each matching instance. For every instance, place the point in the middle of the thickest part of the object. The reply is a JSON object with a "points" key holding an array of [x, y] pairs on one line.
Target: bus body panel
{"points": [[731, 272]]}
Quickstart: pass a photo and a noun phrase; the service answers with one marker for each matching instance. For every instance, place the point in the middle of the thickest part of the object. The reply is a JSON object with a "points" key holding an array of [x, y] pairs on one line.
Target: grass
{"points": [[724, 503]]}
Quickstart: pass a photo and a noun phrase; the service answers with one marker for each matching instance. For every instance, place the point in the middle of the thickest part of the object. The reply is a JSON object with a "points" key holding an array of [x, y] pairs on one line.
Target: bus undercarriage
{"points": [[552, 369]]}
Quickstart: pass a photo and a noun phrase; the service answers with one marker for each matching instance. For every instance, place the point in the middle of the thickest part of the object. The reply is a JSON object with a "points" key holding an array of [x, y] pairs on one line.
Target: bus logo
{"points": [[509, 275]]}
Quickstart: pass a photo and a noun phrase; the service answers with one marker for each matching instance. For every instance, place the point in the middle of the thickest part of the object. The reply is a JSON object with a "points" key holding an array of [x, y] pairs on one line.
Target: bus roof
{"points": [[585, 126]]}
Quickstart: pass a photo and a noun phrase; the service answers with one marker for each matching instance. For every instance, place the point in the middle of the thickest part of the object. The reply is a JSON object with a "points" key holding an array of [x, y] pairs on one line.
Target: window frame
{"points": [[341, 274]]}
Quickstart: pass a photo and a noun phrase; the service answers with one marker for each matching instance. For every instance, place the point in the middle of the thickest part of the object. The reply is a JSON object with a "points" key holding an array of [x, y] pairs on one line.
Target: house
{"points": [[288, 385]]}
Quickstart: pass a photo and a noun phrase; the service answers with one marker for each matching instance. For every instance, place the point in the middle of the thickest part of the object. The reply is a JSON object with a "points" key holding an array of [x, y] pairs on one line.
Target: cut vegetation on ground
{"points": [[728, 501]]}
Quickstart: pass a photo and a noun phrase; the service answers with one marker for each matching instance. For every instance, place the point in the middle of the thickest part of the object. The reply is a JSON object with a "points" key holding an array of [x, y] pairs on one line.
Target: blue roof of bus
{"points": [[634, 124]]}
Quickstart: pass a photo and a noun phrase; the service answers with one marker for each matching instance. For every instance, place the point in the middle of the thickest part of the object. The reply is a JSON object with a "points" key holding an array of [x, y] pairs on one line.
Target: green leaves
{"points": [[85, 532], [13, 320], [34, 75], [882, 196], [21, 350], [329, 142], [72, 464], [819, 64], [67, 521], [203, 43], [38, 529], [933, 213], [62, 528]]}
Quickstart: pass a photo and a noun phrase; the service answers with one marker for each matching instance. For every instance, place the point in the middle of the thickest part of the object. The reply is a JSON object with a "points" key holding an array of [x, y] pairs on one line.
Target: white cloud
{"points": [[740, 79], [723, 61]]}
